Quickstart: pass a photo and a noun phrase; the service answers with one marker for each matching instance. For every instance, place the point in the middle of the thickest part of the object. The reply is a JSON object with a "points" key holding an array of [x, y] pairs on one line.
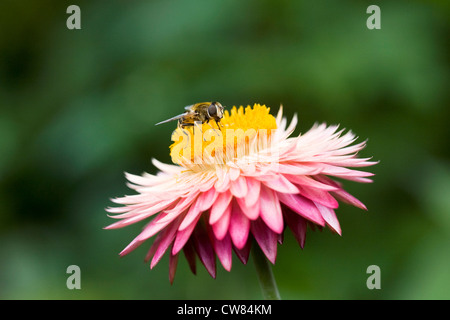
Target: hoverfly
{"points": [[199, 112]]}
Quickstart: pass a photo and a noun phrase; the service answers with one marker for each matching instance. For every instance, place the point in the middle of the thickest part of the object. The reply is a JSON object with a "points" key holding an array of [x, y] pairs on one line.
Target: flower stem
{"points": [[265, 276]]}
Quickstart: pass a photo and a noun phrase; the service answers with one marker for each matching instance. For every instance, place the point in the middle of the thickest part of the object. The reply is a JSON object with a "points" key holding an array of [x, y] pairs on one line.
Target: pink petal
{"points": [[330, 218], [205, 251], [182, 236], [270, 210], [153, 247], [207, 199], [173, 261], [238, 187], [266, 238], [319, 196], [348, 198], [220, 228], [166, 241], [310, 182], [303, 207], [219, 207], [239, 226], [254, 187], [281, 184], [193, 213], [252, 212], [297, 224]]}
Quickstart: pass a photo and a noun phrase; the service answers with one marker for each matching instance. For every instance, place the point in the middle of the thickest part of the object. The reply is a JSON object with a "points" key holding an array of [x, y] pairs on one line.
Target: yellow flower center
{"points": [[240, 133]]}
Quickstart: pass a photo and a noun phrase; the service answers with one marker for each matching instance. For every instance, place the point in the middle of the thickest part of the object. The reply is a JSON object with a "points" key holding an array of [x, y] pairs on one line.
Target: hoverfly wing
{"points": [[172, 119], [189, 107]]}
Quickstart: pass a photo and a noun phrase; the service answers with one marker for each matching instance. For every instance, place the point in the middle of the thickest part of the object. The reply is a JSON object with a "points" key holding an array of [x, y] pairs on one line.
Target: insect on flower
{"points": [[201, 112], [232, 200]]}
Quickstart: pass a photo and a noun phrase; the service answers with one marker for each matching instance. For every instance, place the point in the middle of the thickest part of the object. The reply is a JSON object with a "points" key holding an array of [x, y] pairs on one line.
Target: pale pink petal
{"points": [[303, 207], [222, 183], [239, 226], [266, 238], [238, 187], [330, 218], [143, 212], [234, 173], [270, 210], [297, 169]]}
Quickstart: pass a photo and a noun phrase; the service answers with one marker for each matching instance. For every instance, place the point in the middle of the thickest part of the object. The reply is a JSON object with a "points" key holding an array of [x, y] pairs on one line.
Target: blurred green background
{"points": [[78, 108]]}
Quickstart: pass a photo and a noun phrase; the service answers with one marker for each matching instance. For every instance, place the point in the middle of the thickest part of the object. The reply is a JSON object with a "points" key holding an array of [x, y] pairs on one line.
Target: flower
{"points": [[246, 179]]}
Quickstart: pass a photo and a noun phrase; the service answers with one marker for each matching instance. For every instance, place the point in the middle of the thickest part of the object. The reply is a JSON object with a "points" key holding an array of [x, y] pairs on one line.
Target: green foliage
{"points": [[78, 108]]}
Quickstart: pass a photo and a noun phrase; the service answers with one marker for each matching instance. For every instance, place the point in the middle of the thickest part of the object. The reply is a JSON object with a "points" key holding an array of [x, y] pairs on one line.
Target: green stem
{"points": [[265, 275]]}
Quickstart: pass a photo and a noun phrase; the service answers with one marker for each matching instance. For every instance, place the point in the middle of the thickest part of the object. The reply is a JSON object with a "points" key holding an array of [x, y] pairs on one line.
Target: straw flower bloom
{"points": [[240, 186]]}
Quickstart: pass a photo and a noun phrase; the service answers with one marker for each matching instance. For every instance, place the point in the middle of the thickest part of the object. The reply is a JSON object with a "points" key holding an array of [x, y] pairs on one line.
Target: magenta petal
{"points": [[302, 206], [219, 207], [243, 253], [297, 224], [173, 261], [330, 218], [239, 226], [223, 251], [319, 196], [189, 253], [270, 210], [205, 251], [266, 238]]}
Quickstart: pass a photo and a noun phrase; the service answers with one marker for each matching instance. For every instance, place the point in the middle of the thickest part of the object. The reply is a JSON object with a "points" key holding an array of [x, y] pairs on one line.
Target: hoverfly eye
{"points": [[212, 110]]}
